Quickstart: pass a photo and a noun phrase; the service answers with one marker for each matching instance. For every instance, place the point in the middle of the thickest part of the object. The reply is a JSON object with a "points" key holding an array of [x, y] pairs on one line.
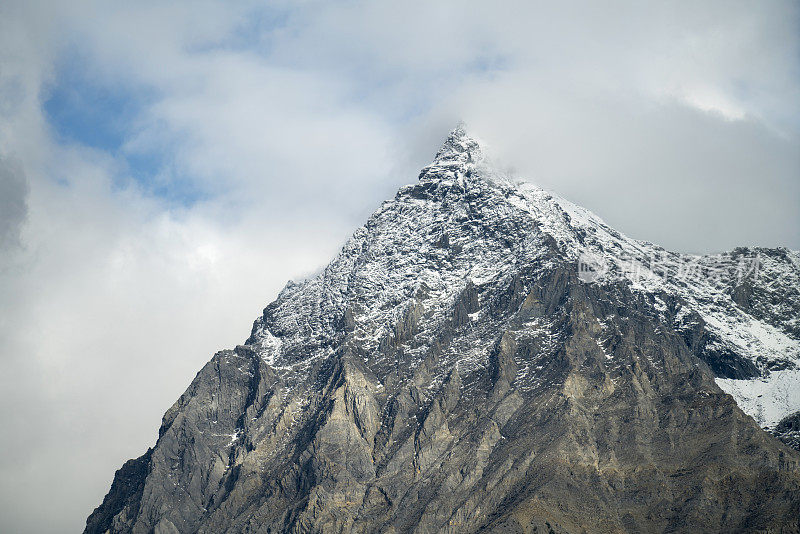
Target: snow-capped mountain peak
{"points": [[456, 369], [465, 222], [459, 147]]}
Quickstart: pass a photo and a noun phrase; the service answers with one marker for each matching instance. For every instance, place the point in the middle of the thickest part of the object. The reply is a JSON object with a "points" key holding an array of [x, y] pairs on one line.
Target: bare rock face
{"points": [[788, 430], [451, 371]]}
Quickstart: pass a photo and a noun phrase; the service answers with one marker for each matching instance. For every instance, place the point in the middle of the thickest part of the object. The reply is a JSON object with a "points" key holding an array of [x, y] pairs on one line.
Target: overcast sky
{"points": [[164, 170]]}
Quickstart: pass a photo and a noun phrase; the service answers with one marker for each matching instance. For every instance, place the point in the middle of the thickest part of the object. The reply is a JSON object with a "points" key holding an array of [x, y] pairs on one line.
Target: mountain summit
{"points": [[459, 148], [485, 356]]}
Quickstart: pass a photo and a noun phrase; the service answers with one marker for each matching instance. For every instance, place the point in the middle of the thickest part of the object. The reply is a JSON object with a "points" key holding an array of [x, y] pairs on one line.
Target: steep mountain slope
{"points": [[485, 356]]}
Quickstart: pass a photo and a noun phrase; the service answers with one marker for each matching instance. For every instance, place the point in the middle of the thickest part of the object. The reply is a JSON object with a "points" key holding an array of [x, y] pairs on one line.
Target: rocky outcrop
{"points": [[788, 431], [121, 506], [450, 371]]}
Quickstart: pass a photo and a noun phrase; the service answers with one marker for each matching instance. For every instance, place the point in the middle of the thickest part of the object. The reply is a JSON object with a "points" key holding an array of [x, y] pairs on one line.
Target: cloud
{"points": [[13, 203], [175, 164], [659, 173]]}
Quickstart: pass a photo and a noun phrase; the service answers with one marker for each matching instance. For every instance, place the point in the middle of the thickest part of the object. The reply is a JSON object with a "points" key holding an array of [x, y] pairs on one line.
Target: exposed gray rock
{"points": [[788, 430]]}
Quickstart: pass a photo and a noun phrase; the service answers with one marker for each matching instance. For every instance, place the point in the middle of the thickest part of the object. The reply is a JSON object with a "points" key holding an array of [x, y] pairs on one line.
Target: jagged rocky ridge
{"points": [[459, 368]]}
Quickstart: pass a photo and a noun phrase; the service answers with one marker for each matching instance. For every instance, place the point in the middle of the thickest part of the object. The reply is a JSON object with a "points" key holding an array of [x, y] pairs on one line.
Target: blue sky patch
{"points": [[84, 107]]}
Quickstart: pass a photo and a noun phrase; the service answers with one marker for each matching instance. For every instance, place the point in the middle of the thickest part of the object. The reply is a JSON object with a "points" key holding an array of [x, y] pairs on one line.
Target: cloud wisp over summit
{"points": [[164, 169]]}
